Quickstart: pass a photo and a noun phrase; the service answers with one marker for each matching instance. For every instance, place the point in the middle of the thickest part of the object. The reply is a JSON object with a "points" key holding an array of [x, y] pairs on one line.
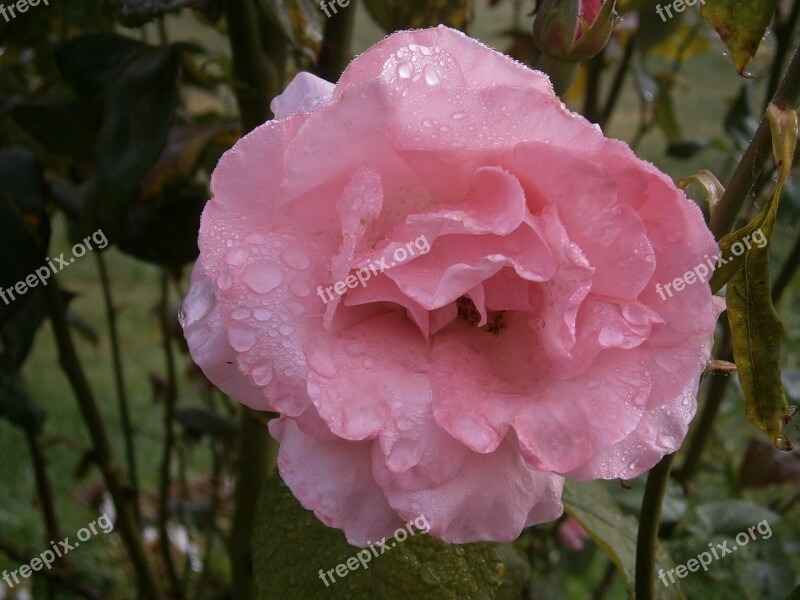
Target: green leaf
{"points": [[139, 108], [24, 224], [163, 230], [61, 126], [91, 63], [291, 546], [755, 326], [741, 24], [16, 405], [590, 504], [395, 15]]}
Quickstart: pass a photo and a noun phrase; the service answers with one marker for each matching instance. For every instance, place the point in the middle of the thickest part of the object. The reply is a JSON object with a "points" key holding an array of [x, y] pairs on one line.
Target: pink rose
{"points": [[464, 383]]}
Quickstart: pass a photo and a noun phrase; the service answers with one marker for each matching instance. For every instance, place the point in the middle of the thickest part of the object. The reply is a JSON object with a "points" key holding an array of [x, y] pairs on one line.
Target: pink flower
{"points": [[463, 383]]}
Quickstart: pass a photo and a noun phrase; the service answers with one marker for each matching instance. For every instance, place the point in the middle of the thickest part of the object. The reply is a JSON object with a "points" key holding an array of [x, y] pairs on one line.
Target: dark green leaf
{"points": [[16, 405], [291, 546], [91, 63], [741, 24], [164, 231], [61, 126], [24, 224], [592, 506], [139, 108]]}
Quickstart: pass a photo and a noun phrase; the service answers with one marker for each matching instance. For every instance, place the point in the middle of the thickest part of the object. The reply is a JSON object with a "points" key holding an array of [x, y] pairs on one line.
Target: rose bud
{"points": [[567, 32]]}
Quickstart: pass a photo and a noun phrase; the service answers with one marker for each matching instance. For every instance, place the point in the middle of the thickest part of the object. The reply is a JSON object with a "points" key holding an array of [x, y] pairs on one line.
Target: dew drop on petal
{"points": [[300, 288], [262, 375], [262, 276], [239, 314], [404, 70], [295, 258], [262, 314], [404, 424], [241, 338]]}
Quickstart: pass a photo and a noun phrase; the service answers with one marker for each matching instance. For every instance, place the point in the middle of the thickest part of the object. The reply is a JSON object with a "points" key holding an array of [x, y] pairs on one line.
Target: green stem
{"points": [[784, 30], [335, 52], [594, 70], [646, 541], [788, 271], [255, 461], [119, 382], [616, 85], [170, 401], [756, 155], [114, 479]]}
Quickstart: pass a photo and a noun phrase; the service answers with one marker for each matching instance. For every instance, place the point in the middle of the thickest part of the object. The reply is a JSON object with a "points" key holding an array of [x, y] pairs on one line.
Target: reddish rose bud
{"points": [[567, 32]]}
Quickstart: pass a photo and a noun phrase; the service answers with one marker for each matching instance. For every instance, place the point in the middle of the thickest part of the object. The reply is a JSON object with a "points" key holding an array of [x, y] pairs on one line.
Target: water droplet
{"points": [[323, 364], [239, 314], [262, 276], [295, 307], [593, 384], [432, 75], [404, 70], [782, 443], [262, 314], [458, 116], [369, 363], [427, 123], [300, 288], [313, 389], [404, 424], [241, 338], [182, 317], [632, 466], [224, 279], [286, 330], [295, 258], [237, 257], [672, 238], [262, 375]]}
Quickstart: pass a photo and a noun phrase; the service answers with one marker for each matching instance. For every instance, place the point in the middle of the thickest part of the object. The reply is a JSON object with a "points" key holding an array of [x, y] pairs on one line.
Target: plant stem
{"points": [[114, 479], [760, 148], [335, 52], [784, 30], [171, 397], [646, 541], [119, 382], [788, 271], [616, 85], [594, 70]]}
